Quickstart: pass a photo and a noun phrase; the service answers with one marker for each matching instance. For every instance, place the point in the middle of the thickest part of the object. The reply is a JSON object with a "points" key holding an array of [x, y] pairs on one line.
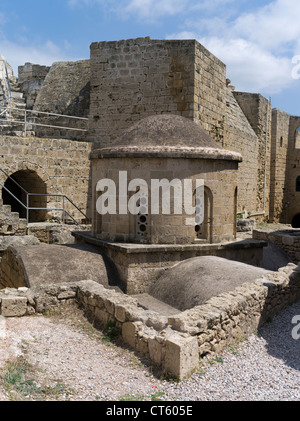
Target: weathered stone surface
{"points": [[194, 281], [181, 357], [37, 265], [174, 346], [129, 332], [13, 306]]}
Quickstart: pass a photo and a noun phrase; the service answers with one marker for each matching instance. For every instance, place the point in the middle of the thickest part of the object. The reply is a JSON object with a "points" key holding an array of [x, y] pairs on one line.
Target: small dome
{"points": [[166, 130], [165, 135]]}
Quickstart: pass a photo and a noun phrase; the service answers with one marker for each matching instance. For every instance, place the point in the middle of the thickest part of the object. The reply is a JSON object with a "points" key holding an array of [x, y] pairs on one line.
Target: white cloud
{"points": [[17, 55], [251, 67], [257, 47], [153, 9], [271, 26], [149, 11]]}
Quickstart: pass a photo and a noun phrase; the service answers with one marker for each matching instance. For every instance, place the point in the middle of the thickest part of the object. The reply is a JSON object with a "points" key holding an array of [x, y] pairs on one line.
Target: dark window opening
{"points": [[298, 184], [296, 221]]}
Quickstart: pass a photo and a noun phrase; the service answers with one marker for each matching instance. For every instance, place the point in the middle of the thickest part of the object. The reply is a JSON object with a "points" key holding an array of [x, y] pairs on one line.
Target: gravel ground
{"points": [[65, 349]]}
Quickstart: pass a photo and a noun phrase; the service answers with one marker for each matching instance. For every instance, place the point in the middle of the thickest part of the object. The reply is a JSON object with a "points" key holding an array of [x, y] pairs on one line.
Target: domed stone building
{"points": [[156, 157], [142, 239]]}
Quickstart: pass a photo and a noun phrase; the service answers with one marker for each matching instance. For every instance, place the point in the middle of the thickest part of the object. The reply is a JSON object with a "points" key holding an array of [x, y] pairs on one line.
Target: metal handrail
{"points": [[28, 208], [10, 109]]}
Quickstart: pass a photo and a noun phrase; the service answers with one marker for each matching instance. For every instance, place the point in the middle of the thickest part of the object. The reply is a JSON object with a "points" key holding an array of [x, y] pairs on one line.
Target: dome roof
{"points": [[165, 135], [166, 130], [194, 281]]}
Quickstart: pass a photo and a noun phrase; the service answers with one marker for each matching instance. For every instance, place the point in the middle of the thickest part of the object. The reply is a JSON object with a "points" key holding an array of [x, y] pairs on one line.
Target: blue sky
{"points": [[259, 41]]}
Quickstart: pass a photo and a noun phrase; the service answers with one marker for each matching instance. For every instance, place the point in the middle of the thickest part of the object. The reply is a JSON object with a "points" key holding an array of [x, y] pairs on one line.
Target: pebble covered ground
{"points": [[66, 351]]}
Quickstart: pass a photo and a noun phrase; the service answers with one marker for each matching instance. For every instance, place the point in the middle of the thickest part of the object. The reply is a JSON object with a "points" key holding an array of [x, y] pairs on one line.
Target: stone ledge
{"points": [[135, 248]]}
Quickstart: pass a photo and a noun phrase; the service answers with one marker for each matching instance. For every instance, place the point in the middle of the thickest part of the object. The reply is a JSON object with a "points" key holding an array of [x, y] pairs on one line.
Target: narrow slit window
{"points": [[297, 138], [298, 183]]}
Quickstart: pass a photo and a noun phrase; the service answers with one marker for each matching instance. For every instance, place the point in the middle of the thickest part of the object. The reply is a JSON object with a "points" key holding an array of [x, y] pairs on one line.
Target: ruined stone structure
{"points": [[125, 81], [31, 78], [155, 109], [133, 79]]}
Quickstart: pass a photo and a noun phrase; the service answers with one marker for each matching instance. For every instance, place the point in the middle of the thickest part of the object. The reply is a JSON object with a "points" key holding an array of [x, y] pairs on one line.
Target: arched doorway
{"points": [[296, 221], [31, 182]]}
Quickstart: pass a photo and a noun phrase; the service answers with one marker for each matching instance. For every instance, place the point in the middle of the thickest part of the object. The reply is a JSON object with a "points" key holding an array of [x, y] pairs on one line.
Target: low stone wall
{"points": [[174, 343], [287, 239]]}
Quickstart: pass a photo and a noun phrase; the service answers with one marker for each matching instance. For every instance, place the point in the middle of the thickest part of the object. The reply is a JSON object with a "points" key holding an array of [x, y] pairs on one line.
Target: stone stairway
{"points": [[10, 222], [9, 122]]}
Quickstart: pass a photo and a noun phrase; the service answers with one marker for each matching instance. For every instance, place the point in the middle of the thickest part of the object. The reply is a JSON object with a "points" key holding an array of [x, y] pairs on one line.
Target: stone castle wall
{"points": [[258, 111], [240, 137], [66, 91], [124, 81], [31, 78], [132, 79], [278, 176], [293, 171]]}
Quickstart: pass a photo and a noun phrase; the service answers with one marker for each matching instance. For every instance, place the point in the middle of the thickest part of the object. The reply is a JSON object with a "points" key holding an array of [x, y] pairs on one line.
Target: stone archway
{"points": [[18, 183]]}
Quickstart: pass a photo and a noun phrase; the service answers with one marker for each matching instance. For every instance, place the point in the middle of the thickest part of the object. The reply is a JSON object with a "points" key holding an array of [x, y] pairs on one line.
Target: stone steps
{"points": [[9, 124], [10, 222]]}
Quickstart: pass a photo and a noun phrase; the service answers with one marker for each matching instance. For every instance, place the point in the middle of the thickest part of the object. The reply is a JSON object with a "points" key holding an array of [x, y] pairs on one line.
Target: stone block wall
{"points": [[139, 265], [135, 78], [66, 91], [210, 92], [31, 78], [278, 175], [132, 79], [220, 179], [293, 171], [239, 136], [286, 240], [175, 344], [258, 111], [61, 167]]}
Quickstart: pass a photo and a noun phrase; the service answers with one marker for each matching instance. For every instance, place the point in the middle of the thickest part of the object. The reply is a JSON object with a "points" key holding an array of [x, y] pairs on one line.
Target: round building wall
{"points": [[158, 224]]}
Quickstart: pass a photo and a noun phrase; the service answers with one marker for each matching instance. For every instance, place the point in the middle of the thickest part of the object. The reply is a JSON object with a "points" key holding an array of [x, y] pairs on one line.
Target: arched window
{"points": [[298, 183], [204, 231]]}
